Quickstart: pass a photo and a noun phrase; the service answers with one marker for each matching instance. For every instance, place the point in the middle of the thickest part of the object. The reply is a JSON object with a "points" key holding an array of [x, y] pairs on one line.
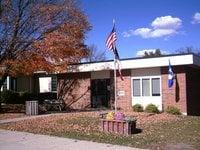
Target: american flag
{"points": [[110, 42], [117, 59]]}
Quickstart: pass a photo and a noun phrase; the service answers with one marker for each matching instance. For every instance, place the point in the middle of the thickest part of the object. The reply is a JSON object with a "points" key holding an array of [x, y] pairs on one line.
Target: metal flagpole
{"points": [[115, 79], [115, 85]]}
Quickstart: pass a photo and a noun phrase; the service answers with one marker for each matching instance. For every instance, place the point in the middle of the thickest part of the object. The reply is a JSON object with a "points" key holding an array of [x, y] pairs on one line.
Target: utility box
{"points": [[31, 108]]}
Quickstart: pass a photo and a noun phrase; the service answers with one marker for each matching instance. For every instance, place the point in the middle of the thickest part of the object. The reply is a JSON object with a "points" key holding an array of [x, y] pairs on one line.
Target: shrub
{"points": [[151, 108], [138, 108], [173, 110], [9, 97], [26, 96]]}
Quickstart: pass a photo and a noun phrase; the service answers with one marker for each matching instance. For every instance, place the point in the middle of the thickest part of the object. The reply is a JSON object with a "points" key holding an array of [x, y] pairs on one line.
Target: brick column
{"points": [[124, 101], [176, 95]]}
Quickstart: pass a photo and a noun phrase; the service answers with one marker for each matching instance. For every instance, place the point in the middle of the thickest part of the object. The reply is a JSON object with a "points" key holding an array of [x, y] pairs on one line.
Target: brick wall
{"points": [[74, 89], [176, 95], [193, 91], [123, 102]]}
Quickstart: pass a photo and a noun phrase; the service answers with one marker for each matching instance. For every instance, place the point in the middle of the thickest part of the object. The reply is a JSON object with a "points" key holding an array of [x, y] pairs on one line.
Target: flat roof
{"points": [[134, 63]]}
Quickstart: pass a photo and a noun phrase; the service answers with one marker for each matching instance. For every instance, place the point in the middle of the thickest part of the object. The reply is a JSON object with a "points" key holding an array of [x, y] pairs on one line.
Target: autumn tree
{"points": [[40, 35], [94, 54]]}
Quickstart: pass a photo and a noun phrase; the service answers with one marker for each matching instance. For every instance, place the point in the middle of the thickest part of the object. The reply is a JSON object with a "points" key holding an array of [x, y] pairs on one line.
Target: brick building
{"points": [[145, 81], [87, 85]]}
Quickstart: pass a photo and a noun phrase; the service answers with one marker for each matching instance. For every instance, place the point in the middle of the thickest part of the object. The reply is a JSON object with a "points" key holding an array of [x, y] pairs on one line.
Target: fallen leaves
{"points": [[157, 130]]}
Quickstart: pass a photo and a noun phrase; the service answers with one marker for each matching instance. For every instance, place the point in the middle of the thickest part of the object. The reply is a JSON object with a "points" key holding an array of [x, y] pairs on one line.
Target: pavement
{"points": [[14, 140]]}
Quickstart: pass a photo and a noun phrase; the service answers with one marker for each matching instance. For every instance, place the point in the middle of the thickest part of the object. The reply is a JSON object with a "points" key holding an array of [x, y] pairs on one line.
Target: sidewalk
{"points": [[12, 140]]}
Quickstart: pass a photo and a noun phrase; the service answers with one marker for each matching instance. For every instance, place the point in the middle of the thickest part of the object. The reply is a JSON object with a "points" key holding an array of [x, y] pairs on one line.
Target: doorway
{"points": [[100, 93]]}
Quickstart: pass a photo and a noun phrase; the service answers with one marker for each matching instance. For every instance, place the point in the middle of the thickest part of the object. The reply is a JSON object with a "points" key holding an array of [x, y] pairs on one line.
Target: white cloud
{"points": [[140, 53], [144, 32], [196, 18], [166, 22], [154, 33], [160, 27], [162, 32], [126, 34]]}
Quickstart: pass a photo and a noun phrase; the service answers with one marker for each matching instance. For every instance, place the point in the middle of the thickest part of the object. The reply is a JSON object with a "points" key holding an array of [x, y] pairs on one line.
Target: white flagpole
{"points": [[115, 78]]}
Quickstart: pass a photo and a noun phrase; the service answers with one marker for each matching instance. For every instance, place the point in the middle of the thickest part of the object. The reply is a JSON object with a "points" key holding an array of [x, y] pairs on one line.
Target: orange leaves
{"points": [[49, 35]]}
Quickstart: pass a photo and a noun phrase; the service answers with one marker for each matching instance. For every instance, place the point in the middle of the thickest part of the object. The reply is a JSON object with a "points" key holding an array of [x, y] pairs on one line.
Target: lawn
{"points": [[160, 131]]}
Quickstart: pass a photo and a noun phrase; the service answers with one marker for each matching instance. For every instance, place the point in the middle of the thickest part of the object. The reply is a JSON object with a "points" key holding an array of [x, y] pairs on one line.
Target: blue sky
{"points": [[144, 24]]}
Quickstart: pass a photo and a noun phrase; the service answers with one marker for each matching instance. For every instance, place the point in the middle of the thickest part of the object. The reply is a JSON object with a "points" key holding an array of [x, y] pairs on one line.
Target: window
{"points": [[5, 85], [54, 83], [147, 86], [136, 87], [48, 84], [155, 86]]}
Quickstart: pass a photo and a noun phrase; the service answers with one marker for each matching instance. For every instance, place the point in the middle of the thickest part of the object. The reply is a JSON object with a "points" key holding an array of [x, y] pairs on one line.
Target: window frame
{"points": [[54, 91], [145, 77]]}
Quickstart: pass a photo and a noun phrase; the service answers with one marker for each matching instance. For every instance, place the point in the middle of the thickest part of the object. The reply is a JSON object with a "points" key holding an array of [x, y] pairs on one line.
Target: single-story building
{"points": [[145, 81]]}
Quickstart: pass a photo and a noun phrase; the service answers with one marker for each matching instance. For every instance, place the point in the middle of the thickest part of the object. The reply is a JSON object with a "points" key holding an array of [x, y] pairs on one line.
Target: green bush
{"points": [[9, 97], [138, 108], [173, 110], [151, 108]]}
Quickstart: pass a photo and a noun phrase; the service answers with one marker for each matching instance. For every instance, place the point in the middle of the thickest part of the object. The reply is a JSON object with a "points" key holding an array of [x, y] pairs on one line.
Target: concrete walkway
{"points": [[13, 140]]}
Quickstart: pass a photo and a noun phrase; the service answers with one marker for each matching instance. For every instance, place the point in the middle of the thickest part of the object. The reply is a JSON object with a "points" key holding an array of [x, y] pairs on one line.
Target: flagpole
{"points": [[115, 78], [115, 85]]}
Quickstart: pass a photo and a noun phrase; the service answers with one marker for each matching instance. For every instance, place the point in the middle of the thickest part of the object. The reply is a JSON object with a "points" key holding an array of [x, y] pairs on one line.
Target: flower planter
{"points": [[120, 127]]}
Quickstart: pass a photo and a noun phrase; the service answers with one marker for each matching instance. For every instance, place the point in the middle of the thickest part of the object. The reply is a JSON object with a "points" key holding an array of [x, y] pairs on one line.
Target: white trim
{"points": [[156, 100], [187, 59], [8, 83]]}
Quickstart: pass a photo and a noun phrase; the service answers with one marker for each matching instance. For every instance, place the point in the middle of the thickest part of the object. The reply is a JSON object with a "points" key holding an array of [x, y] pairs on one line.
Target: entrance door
{"points": [[100, 93]]}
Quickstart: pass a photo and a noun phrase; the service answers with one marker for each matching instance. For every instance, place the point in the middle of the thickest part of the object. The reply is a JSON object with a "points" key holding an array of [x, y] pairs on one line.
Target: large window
{"points": [[147, 86], [48, 84]]}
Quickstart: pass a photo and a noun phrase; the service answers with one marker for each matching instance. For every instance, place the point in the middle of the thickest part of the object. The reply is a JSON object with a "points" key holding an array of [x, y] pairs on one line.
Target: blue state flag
{"points": [[170, 76]]}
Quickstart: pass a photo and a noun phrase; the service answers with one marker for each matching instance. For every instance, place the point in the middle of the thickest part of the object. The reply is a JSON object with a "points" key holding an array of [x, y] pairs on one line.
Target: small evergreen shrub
{"points": [[173, 110], [151, 108], [138, 108]]}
